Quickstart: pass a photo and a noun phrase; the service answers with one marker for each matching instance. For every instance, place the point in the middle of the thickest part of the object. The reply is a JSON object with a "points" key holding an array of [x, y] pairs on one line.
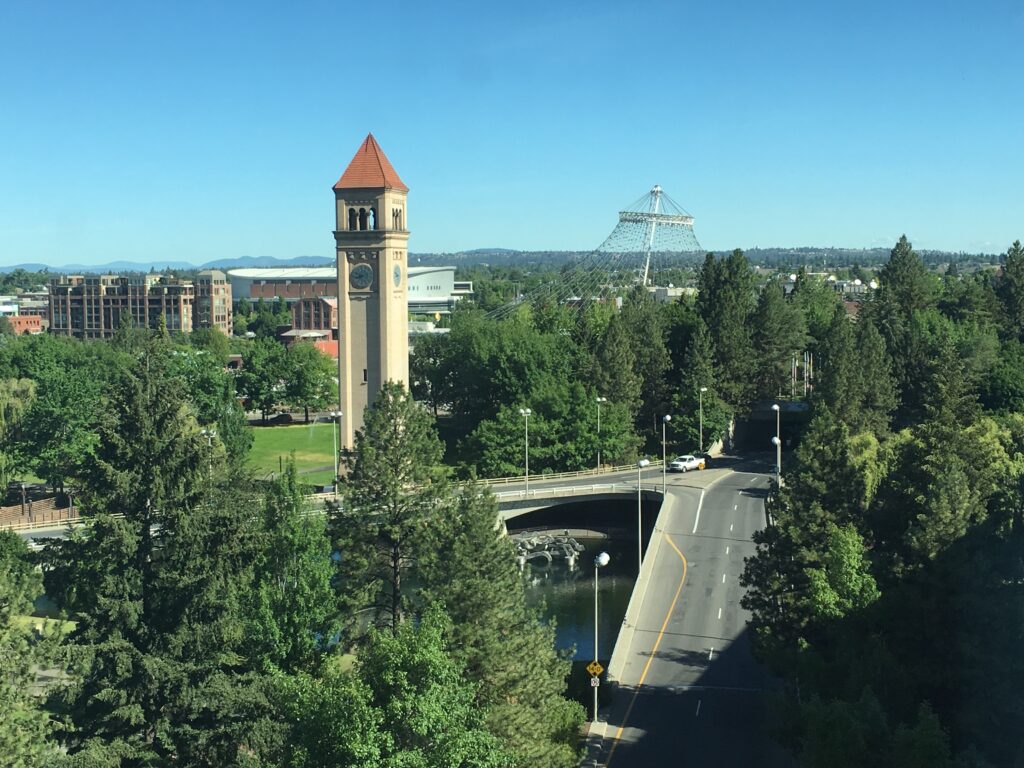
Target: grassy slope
{"points": [[311, 443]]}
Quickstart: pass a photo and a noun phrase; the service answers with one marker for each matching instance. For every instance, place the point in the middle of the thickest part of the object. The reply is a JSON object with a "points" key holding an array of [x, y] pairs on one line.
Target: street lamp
{"points": [[777, 442], [700, 403], [664, 464], [209, 434], [599, 400], [335, 415], [599, 562], [525, 413], [639, 518]]}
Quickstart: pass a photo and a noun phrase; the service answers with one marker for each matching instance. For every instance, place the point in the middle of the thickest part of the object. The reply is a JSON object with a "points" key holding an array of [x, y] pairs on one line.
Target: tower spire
{"points": [[370, 169]]}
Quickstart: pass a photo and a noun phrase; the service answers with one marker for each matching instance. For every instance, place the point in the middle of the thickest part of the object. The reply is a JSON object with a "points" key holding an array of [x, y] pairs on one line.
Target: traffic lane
{"points": [[58, 532], [735, 510], [715, 550], [662, 587], [702, 640], [648, 477], [699, 727]]}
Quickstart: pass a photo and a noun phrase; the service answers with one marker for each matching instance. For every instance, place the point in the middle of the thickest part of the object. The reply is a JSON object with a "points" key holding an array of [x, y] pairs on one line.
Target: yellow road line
{"points": [[654, 650]]}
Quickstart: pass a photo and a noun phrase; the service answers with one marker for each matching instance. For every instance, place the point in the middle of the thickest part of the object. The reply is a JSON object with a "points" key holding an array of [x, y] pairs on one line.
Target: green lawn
{"points": [[311, 443]]}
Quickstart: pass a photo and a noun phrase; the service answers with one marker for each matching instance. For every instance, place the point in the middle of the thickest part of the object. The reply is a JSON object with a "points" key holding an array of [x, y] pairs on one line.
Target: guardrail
{"points": [[560, 475], [540, 492], [571, 490]]}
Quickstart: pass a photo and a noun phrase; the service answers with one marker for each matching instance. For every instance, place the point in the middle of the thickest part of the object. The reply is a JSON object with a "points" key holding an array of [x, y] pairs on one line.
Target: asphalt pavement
{"points": [[690, 692]]}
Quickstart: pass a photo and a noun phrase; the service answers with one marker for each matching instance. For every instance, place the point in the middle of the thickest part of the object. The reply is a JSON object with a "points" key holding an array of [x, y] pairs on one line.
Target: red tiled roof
{"points": [[370, 169]]}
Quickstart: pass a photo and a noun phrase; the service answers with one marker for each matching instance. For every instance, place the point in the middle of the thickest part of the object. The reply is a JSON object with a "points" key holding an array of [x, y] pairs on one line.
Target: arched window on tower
{"points": [[394, 218], [362, 218], [352, 218], [373, 218]]}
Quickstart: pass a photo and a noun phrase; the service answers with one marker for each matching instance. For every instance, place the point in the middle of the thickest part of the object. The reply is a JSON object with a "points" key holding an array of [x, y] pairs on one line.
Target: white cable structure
{"points": [[653, 229]]}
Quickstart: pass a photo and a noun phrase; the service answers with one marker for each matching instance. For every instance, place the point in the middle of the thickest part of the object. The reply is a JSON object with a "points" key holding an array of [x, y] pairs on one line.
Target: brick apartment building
{"points": [[318, 313], [92, 306], [22, 325]]}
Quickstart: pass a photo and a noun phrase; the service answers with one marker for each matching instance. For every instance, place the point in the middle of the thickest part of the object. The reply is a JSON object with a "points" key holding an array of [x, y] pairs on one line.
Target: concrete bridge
{"points": [[513, 503]]}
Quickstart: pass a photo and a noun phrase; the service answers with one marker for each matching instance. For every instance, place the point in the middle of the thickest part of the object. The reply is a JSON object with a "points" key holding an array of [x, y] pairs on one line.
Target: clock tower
{"points": [[373, 304]]}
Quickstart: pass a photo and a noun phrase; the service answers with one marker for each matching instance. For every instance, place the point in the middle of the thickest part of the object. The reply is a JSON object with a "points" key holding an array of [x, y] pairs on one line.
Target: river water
{"points": [[566, 596]]}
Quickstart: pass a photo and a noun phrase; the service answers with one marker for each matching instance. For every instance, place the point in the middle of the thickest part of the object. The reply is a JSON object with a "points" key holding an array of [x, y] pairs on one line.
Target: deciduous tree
{"points": [[310, 377]]}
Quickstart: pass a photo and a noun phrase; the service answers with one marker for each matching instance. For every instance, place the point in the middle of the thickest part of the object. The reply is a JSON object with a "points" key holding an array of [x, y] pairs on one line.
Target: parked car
{"points": [[686, 463]]}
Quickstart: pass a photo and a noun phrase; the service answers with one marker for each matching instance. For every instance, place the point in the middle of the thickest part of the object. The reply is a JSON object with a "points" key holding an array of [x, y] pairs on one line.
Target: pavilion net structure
{"points": [[653, 232]]}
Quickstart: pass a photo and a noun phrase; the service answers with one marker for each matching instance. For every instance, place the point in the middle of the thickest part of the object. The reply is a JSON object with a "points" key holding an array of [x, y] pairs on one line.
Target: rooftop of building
{"points": [[309, 273], [370, 169]]}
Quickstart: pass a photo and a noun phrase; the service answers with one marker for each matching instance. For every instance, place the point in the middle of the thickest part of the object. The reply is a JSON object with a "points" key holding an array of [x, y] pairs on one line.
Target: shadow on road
{"points": [[723, 718]]}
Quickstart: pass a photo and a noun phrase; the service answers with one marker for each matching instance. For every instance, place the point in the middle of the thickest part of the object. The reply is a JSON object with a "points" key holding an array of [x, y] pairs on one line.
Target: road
{"points": [[690, 693]]}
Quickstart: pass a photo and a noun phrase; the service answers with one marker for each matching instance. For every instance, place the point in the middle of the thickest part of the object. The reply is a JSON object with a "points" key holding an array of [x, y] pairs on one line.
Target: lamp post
{"points": [[700, 405], [525, 413], [777, 442], [209, 434], [599, 562], [335, 415], [599, 400], [664, 463], [639, 518]]}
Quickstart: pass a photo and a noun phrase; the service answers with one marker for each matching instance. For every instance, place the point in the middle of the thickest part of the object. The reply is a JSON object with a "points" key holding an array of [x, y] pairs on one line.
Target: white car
{"points": [[685, 463]]}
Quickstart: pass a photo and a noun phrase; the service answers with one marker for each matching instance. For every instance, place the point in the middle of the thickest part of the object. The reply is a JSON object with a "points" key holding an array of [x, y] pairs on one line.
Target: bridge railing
{"points": [[540, 492], [541, 477], [561, 491]]}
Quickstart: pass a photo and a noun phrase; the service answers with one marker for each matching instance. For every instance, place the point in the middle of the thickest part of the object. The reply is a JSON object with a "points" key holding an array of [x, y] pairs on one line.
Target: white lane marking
{"points": [[723, 578], [697, 518], [727, 550], [730, 527], [719, 613], [753, 480], [735, 507], [697, 714], [711, 653]]}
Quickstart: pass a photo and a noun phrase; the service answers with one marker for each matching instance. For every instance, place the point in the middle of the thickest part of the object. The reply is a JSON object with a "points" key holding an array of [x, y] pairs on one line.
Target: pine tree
{"points": [[838, 381], [876, 391], [394, 488], [24, 726], [817, 302], [905, 282], [688, 403], [291, 612], [726, 302], [470, 568], [1010, 291], [155, 648], [615, 367], [646, 336], [780, 331]]}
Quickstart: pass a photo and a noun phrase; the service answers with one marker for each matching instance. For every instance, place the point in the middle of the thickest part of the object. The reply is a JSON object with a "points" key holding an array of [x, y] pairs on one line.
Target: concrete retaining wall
{"points": [[621, 650]]}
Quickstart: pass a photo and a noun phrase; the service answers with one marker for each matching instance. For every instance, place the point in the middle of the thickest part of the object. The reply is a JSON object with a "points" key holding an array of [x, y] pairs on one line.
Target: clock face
{"points": [[397, 275], [361, 276]]}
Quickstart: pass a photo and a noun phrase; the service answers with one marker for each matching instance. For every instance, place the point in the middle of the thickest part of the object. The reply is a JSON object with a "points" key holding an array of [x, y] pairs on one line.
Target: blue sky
{"points": [[202, 130]]}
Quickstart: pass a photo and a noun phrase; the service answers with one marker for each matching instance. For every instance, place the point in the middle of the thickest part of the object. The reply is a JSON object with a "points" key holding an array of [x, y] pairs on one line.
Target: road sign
{"points": [[594, 668], [595, 682]]}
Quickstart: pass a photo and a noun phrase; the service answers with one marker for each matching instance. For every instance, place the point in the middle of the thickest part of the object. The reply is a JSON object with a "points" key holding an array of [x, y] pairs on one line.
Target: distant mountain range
{"points": [[774, 257], [114, 267]]}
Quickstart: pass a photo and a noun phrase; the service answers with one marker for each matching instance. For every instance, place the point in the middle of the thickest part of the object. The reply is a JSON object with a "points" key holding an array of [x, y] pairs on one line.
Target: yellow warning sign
{"points": [[594, 668]]}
